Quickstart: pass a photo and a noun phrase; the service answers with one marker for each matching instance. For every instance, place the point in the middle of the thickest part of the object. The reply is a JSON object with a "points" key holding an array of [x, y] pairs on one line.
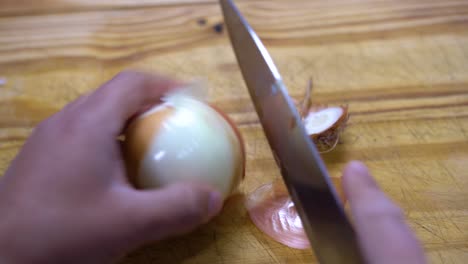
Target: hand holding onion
{"points": [[68, 184]]}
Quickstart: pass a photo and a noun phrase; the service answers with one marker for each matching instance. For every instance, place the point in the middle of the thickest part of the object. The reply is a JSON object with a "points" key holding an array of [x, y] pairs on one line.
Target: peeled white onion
{"points": [[184, 139]]}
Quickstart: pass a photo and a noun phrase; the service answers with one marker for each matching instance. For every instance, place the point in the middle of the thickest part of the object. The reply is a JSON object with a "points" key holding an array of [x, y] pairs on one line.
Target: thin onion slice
{"points": [[273, 212], [323, 123]]}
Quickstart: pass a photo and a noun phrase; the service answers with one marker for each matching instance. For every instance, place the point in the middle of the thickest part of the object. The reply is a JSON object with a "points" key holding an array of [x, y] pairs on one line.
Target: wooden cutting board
{"points": [[402, 66]]}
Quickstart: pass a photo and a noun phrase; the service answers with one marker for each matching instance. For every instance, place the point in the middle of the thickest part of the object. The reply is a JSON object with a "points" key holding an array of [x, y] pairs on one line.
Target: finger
{"points": [[383, 234], [115, 102], [175, 209]]}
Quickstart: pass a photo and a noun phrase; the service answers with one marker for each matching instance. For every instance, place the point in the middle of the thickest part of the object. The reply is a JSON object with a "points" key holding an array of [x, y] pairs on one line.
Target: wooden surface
{"points": [[402, 66]]}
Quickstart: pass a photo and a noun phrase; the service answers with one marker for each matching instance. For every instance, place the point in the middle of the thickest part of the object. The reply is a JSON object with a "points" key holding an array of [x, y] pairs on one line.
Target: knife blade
{"points": [[329, 231]]}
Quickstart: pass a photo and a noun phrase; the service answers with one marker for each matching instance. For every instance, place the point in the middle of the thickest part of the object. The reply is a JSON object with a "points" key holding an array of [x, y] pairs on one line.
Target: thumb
{"points": [[380, 225], [175, 210]]}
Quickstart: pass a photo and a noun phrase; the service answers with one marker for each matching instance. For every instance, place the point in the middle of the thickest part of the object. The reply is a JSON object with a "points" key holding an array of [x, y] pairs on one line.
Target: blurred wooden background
{"points": [[402, 66]]}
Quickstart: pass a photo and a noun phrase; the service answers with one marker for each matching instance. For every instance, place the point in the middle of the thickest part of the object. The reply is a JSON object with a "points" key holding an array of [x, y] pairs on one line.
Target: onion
{"points": [[184, 139]]}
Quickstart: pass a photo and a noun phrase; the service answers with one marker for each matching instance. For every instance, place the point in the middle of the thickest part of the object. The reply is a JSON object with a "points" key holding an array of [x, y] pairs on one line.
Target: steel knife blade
{"points": [[305, 175]]}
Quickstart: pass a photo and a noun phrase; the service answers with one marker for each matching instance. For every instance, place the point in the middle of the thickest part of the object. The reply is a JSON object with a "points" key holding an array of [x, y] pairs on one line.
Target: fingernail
{"points": [[215, 203], [358, 166], [359, 170]]}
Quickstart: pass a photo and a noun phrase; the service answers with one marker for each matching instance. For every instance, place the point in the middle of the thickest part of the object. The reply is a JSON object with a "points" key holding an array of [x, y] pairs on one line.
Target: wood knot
{"points": [[201, 21], [218, 28]]}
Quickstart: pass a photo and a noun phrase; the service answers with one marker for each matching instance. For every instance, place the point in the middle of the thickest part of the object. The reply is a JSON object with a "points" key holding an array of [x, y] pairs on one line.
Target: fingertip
{"points": [[173, 210], [357, 181], [215, 203], [212, 199], [357, 173], [356, 167], [376, 216], [202, 202], [205, 197]]}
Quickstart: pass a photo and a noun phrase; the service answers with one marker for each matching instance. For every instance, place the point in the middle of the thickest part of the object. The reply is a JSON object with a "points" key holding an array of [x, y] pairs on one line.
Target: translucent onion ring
{"points": [[273, 212]]}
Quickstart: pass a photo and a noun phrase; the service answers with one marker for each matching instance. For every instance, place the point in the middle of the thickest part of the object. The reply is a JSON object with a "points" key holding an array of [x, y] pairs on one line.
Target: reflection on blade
{"points": [[303, 171]]}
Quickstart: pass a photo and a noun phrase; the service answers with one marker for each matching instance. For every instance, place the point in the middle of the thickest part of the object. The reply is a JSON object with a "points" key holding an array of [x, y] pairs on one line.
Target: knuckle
{"points": [[73, 116], [72, 124]]}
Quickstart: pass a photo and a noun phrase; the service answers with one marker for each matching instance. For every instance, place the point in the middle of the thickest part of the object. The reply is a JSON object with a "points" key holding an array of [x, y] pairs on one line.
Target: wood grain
{"points": [[402, 66]]}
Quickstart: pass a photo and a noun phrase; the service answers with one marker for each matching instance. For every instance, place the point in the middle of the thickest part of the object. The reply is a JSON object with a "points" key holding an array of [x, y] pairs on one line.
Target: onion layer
{"points": [[271, 209]]}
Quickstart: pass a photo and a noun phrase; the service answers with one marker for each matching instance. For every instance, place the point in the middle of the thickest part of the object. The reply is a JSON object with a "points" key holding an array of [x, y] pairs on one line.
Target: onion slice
{"points": [[323, 123], [273, 212]]}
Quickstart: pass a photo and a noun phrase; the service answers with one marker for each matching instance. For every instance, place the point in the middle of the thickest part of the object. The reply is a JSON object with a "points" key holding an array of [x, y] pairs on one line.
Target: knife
{"points": [[303, 171]]}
